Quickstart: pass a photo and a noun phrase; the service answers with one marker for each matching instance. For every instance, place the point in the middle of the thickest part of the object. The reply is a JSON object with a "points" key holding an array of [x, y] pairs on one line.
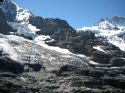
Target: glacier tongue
{"points": [[27, 51]]}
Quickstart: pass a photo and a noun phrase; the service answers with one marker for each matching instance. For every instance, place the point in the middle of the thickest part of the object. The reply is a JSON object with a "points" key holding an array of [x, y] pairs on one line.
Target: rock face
{"points": [[63, 34], [118, 21], [7, 64], [48, 55], [9, 9], [70, 78], [4, 27], [50, 26]]}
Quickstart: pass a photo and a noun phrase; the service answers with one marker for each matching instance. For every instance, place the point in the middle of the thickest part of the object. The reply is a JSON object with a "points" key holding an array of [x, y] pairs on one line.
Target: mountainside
{"points": [[40, 55]]}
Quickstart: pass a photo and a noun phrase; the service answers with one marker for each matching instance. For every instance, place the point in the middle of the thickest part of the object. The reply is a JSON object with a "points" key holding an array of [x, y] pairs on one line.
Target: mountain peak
{"points": [[111, 29], [15, 13], [115, 20]]}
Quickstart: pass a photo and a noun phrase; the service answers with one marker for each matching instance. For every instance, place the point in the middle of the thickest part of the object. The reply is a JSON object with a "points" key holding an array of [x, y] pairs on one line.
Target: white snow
{"points": [[87, 28], [107, 30], [33, 28], [14, 46], [80, 55], [24, 79], [123, 58], [94, 63], [118, 42], [40, 40], [99, 48], [24, 29], [22, 14], [105, 25], [22, 23], [8, 48], [42, 37], [19, 48], [99, 26]]}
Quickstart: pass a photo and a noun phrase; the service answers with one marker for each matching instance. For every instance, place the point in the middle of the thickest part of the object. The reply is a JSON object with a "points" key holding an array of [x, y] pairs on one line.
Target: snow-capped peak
{"points": [[22, 14], [106, 24], [18, 19], [109, 29], [14, 12]]}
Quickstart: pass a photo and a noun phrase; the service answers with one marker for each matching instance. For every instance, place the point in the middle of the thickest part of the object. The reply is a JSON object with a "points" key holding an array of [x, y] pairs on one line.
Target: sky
{"points": [[77, 13]]}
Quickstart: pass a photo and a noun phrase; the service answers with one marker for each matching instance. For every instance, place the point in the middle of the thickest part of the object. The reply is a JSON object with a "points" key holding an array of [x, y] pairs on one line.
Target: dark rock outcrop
{"points": [[8, 65], [9, 9], [50, 26], [117, 62], [1, 0], [68, 79], [33, 67], [4, 27], [122, 35]]}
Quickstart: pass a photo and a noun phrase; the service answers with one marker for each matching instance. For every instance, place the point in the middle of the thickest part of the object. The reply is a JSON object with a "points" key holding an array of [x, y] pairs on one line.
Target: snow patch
{"points": [[8, 48], [22, 78], [94, 63], [40, 41], [99, 48]]}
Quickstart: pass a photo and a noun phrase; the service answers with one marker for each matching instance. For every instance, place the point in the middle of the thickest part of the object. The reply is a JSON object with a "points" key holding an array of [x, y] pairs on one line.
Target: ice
{"points": [[33, 28], [8, 48], [24, 29]]}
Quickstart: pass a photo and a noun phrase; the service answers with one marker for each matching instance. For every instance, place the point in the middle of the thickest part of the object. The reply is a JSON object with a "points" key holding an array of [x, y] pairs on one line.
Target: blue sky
{"points": [[78, 13]]}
